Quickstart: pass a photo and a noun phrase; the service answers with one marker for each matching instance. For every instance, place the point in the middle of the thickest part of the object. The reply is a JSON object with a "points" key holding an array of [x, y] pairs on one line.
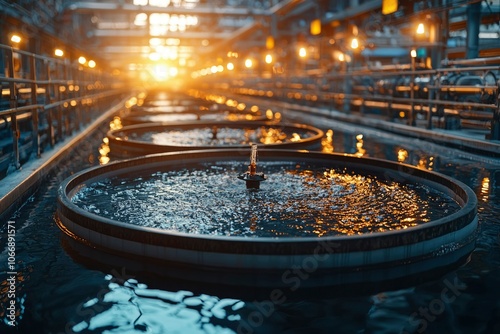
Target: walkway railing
{"points": [[43, 100], [462, 95]]}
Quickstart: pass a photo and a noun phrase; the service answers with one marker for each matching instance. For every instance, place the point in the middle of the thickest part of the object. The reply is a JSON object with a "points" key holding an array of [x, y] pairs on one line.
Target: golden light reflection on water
{"points": [[269, 114], [273, 136], [426, 163], [359, 146], [104, 151], [360, 204], [327, 142], [295, 137], [238, 117], [104, 160], [140, 99], [220, 99], [231, 103], [402, 155], [116, 123], [224, 136], [131, 102], [485, 189]]}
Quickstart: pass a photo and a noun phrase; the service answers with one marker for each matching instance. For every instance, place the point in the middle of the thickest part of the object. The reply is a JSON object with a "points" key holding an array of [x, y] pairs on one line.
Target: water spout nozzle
{"points": [[251, 177]]}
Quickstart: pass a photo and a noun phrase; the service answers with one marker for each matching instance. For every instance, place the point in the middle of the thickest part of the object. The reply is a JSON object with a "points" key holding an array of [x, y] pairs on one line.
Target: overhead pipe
{"points": [[470, 62]]}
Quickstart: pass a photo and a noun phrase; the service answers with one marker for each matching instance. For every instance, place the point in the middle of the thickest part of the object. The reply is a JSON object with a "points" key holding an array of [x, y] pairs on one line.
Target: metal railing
{"points": [[43, 100], [401, 92]]}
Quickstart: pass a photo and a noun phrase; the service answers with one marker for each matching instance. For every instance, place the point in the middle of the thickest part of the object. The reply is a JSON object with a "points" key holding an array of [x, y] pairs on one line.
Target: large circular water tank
{"points": [[392, 244]]}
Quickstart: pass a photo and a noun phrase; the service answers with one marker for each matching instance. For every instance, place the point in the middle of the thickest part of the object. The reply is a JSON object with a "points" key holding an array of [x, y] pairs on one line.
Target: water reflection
{"points": [[485, 189], [116, 123], [426, 163], [402, 155], [133, 307], [104, 150], [327, 142], [203, 136], [269, 114], [360, 151]]}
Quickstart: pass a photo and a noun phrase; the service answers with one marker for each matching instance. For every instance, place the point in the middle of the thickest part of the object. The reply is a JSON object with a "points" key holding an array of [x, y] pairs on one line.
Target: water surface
{"points": [[296, 200]]}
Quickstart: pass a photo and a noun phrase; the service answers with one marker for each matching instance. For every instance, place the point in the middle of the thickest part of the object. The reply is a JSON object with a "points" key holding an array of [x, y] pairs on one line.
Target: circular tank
{"points": [[190, 115], [379, 252], [142, 139]]}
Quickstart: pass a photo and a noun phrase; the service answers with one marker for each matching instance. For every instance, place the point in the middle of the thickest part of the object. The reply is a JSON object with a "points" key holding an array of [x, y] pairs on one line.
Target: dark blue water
{"points": [[212, 198], [61, 290]]}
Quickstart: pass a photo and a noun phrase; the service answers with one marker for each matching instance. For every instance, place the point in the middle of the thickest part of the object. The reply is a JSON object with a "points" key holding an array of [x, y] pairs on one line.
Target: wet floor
{"points": [[59, 289]]}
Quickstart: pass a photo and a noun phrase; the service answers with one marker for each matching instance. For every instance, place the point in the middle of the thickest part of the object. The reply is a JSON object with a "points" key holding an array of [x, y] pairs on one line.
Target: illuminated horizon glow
{"points": [[188, 4], [159, 72], [162, 23]]}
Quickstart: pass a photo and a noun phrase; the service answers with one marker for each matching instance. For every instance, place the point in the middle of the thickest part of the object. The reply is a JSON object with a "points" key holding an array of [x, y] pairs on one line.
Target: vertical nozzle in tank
{"points": [[214, 132], [251, 177], [252, 168]]}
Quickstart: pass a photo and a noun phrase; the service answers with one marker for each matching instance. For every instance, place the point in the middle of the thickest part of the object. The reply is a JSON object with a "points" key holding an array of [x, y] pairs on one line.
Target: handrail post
{"points": [[48, 87], [59, 115], [348, 78], [411, 114], [433, 95], [13, 105], [67, 75], [34, 112]]}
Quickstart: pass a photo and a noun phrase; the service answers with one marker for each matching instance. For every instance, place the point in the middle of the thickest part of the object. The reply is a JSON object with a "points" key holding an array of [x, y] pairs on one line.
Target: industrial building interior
{"points": [[415, 83]]}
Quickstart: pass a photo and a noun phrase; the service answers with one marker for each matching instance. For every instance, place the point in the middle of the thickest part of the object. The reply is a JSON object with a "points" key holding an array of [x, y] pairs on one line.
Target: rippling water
{"points": [[218, 136], [296, 200], [59, 290], [205, 116]]}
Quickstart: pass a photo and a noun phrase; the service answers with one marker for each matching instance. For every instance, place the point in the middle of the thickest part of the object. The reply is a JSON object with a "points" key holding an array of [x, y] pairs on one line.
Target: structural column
{"points": [[495, 122], [473, 23]]}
